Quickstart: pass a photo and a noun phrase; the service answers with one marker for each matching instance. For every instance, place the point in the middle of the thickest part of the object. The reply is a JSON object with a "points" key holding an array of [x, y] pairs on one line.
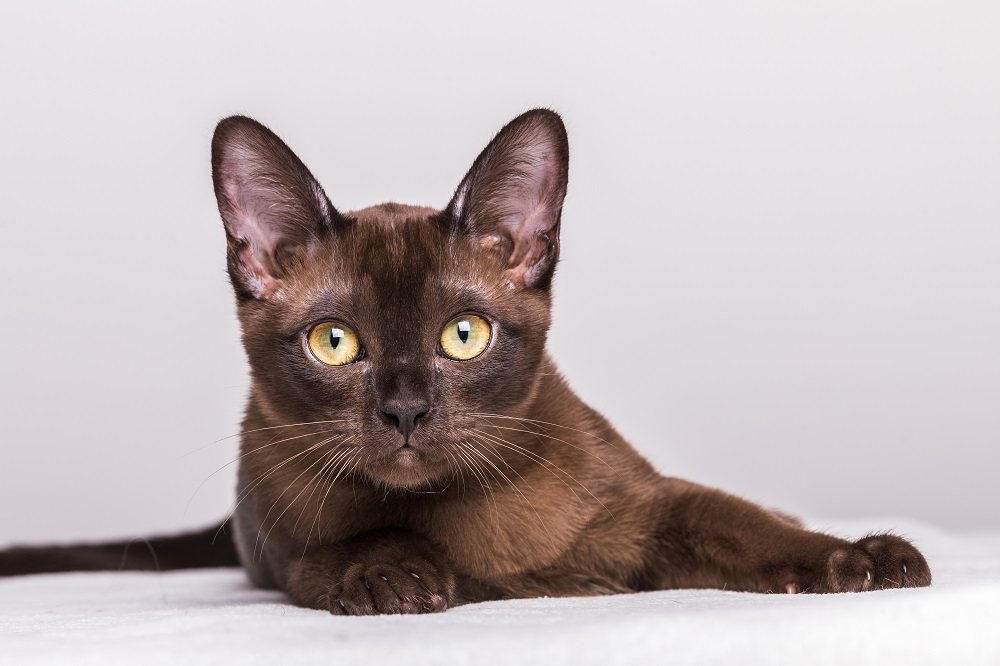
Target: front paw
{"points": [[896, 562], [876, 562], [413, 585]]}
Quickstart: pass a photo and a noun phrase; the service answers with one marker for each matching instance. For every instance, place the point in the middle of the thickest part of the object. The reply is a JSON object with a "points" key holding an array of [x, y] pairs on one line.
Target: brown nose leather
{"points": [[404, 414]]}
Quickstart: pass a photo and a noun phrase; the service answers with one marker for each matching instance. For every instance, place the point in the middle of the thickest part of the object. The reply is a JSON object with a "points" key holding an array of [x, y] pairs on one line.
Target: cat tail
{"points": [[212, 547]]}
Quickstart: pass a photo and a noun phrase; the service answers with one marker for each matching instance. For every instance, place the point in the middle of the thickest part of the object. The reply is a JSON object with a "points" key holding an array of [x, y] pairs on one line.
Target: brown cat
{"points": [[409, 446]]}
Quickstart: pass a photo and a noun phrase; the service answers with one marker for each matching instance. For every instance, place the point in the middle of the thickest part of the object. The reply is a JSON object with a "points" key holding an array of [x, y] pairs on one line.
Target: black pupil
{"points": [[335, 336], [463, 330]]}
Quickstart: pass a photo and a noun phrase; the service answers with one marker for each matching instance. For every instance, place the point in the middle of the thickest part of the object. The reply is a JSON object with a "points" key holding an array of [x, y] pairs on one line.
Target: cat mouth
{"points": [[407, 467], [406, 456]]}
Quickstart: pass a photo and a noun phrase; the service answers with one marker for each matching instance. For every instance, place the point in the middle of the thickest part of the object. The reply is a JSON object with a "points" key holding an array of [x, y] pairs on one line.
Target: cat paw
{"points": [[896, 562], [408, 587], [877, 562]]}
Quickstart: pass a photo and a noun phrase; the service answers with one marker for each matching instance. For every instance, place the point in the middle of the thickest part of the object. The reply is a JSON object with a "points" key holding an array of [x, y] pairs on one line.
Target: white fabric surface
{"points": [[215, 617]]}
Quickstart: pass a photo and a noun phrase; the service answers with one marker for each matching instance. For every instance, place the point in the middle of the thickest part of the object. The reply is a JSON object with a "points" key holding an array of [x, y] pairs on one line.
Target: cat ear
{"points": [[271, 206], [512, 196]]}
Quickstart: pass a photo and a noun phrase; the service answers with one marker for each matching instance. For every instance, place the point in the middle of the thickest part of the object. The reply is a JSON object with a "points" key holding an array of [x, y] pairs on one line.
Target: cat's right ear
{"points": [[271, 206]]}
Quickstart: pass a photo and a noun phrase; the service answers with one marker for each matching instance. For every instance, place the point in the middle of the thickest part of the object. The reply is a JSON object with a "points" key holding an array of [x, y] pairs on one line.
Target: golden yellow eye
{"points": [[334, 343], [465, 337]]}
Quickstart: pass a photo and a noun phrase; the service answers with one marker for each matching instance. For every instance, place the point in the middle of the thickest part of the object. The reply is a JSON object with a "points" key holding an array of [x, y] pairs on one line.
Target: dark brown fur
{"points": [[508, 485]]}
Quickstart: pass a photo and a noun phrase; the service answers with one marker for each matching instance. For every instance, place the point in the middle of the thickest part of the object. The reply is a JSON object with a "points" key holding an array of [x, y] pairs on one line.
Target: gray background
{"points": [[781, 267]]}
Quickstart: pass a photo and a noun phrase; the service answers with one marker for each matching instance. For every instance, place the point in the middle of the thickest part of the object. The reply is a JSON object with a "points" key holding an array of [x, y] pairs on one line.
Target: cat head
{"points": [[399, 324]]}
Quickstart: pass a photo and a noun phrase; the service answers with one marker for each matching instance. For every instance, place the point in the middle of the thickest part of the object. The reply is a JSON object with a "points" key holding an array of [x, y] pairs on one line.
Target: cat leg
{"points": [[381, 572], [707, 538]]}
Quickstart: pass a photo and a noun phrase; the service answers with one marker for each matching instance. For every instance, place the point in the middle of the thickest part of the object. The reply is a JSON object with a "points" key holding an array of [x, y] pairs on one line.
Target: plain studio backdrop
{"points": [[781, 257]]}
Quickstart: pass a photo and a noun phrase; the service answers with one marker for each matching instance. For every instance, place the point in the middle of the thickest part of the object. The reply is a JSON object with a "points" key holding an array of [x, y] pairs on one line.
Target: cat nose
{"points": [[404, 414]]}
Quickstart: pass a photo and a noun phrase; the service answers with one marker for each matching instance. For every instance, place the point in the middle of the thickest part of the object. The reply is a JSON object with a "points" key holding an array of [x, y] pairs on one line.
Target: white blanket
{"points": [[215, 617]]}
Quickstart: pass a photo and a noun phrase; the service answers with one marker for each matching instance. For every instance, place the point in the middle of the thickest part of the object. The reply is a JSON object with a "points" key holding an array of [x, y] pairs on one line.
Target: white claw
{"points": [[904, 568], [868, 575]]}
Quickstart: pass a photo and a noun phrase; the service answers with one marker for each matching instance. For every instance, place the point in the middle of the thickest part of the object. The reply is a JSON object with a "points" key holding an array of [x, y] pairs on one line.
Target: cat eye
{"points": [[465, 337], [334, 343]]}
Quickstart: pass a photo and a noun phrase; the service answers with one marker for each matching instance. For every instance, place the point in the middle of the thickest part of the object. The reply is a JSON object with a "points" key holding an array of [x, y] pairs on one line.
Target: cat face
{"points": [[400, 324]]}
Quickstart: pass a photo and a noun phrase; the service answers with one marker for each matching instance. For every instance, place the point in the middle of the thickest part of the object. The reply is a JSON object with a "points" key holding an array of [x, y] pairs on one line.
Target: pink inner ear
{"points": [[246, 223], [253, 274], [253, 242]]}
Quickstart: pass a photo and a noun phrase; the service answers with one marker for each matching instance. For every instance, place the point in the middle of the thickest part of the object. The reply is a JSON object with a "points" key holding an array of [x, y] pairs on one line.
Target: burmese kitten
{"points": [[408, 444]]}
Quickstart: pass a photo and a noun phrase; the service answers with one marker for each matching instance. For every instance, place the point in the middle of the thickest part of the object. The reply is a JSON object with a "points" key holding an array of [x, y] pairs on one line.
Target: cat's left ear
{"points": [[513, 195]]}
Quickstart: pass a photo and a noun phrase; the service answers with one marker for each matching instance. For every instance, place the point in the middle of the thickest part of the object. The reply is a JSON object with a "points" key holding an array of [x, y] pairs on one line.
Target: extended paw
{"points": [[407, 587], [896, 562], [876, 562]]}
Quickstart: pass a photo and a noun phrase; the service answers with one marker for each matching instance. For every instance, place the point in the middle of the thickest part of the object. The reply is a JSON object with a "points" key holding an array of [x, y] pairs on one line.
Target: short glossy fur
{"points": [[409, 482]]}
